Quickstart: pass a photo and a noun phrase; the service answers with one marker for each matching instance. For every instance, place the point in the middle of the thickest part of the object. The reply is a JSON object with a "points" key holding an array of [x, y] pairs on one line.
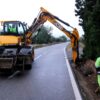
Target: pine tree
{"points": [[79, 11], [89, 14]]}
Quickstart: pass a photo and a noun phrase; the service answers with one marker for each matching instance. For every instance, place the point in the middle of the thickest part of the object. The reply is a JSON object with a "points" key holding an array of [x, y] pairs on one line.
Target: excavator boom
{"points": [[44, 16]]}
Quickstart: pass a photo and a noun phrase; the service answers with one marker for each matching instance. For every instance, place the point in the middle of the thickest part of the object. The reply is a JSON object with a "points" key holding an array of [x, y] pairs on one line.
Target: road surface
{"points": [[48, 80]]}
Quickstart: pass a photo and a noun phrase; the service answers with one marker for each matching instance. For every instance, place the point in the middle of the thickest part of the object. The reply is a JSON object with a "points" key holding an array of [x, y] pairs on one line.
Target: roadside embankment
{"points": [[85, 75]]}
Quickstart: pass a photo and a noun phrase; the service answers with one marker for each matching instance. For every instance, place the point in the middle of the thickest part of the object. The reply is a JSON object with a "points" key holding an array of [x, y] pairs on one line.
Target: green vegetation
{"points": [[44, 35], [88, 12]]}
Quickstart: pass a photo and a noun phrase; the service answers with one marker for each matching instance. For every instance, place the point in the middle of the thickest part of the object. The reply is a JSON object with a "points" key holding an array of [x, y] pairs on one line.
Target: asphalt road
{"points": [[48, 80]]}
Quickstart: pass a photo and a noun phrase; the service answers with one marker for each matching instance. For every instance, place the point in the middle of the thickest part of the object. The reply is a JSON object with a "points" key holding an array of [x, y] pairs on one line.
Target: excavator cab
{"points": [[12, 32], [12, 28]]}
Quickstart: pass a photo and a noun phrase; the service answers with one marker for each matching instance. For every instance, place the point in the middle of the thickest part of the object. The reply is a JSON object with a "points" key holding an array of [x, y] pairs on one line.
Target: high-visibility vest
{"points": [[97, 65], [12, 30]]}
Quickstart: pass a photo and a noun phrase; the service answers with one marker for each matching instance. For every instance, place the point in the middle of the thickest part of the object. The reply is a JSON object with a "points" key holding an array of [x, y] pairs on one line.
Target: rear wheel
{"points": [[28, 62], [33, 54], [7, 71], [28, 66]]}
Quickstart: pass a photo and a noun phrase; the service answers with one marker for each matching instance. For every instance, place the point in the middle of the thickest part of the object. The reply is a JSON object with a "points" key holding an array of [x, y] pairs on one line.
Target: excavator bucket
{"points": [[74, 55]]}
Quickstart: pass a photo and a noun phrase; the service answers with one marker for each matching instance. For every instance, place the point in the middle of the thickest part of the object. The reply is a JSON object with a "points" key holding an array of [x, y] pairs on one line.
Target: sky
{"points": [[27, 10]]}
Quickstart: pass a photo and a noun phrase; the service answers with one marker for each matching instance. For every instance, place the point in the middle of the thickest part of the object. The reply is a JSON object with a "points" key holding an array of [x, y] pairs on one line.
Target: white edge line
{"points": [[73, 81], [14, 74], [11, 76], [37, 57]]}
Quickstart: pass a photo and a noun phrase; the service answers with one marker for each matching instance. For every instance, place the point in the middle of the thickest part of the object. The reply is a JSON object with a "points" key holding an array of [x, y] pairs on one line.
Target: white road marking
{"points": [[17, 72], [14, 74], [37, 57], [73, 81]]}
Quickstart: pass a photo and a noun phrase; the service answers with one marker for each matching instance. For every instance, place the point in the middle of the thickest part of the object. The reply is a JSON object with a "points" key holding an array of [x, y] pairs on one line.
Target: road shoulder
{"points": [[76, 90], [87, 84]]}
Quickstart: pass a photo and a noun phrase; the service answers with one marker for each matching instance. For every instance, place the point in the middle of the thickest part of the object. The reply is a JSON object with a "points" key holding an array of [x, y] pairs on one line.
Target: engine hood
{"points": [[9, 40]]}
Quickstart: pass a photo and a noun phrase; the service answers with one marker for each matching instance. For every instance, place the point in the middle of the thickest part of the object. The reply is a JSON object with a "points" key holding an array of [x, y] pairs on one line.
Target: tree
{"points": [[62, 38], [89, 14], [79, 11], [43, 35]]}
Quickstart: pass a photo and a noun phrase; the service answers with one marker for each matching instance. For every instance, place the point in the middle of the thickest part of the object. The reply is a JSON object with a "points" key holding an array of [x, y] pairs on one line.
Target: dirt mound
{"points": [[86, 75]]}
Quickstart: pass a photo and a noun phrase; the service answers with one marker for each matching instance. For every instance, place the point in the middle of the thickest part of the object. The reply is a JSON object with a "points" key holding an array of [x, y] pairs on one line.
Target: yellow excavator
{"points": [[16, 49]]}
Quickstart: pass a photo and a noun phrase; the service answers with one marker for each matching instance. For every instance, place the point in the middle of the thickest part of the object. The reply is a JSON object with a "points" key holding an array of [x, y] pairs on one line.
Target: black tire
{"points": [[8, 71], [28, 66], [33, 55]]}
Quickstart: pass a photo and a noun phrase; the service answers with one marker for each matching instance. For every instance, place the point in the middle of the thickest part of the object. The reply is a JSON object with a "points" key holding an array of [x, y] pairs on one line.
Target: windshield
{"points": [[11, 28]]}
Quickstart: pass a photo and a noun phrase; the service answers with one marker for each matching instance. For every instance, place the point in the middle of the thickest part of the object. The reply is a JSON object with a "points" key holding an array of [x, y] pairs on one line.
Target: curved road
{"points": [[48, 80]]}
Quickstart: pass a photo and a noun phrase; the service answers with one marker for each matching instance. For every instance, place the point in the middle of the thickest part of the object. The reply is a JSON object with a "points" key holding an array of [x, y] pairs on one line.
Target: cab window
{"points": [[10, 28], [1, 28], [20, 29]]}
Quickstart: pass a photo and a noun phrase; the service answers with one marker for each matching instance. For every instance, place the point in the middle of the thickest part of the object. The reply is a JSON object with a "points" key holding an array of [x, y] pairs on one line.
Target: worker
{"points": [[12, 29], [97, 65]]}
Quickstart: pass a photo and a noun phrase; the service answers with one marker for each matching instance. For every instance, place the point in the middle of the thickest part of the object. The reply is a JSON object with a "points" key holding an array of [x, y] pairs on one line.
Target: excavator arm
{"points": [[44, 16]]}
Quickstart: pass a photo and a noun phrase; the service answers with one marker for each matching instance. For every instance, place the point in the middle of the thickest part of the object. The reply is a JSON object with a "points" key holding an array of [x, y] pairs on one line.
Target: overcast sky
{"points": [[27, 10]]}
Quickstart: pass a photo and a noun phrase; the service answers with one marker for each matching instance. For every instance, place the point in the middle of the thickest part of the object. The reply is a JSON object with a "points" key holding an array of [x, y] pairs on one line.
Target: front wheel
{"points": [[28, 66], [33, 56]]}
